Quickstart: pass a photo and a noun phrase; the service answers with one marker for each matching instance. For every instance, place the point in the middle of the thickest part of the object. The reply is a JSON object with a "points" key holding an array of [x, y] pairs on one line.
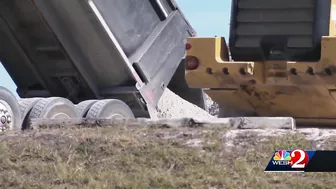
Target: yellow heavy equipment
{"points": [[280, 60]]}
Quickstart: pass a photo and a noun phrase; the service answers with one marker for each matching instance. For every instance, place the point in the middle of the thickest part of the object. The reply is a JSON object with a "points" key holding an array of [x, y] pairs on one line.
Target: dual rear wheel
{"points": [[109, 108], [62, 108], [16, 114]]}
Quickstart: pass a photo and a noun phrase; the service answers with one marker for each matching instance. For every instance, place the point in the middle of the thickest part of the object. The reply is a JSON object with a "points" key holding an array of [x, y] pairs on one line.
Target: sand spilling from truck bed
{"points": [[173, 106]]}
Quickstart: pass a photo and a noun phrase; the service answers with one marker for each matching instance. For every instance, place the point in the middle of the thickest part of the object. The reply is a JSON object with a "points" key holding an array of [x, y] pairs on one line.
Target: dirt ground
{"points": [[151, 157]]}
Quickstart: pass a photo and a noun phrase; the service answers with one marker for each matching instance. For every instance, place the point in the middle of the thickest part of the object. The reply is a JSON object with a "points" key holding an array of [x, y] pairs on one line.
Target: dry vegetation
{"points": [[122, 157]]}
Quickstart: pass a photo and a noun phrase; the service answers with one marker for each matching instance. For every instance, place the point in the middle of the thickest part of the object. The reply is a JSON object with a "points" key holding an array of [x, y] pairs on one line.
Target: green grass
{"points": [[148, 158]]}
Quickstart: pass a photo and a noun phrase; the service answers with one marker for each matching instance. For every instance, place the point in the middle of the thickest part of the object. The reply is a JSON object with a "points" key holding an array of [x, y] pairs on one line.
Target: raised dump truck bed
{"points": [[109, 57], [92, 49]]}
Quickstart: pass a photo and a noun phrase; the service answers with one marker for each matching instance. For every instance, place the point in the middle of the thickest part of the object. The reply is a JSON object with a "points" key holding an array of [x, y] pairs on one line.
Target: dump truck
{"points": [[91, 58], [278, 61]]}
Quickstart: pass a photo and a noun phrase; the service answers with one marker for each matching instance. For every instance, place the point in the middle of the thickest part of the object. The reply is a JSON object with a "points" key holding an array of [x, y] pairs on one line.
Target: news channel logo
{"points": [[288, 161]]}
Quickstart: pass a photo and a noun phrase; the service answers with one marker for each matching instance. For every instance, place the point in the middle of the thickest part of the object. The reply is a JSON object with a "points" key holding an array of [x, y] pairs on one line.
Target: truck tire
{"points": [[83, 107], [9, 102], [53, 108], [26, 105], [110, 108]]}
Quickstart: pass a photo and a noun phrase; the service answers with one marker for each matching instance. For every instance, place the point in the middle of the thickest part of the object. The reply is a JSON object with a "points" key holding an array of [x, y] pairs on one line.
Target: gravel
{"points": [[211, 106], [173, 106]]}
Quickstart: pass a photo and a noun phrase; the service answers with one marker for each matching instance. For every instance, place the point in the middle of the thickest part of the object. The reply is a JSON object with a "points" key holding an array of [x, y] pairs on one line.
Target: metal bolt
{"points": [[310, 71], [9, 119], [3, 119], [328, 71], [208, 71], [226, 71], [293, 71], [242, 71]]}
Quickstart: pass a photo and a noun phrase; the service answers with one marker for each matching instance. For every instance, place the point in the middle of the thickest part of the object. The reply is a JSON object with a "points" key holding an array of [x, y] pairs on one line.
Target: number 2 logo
{"points": [[299, 158]]}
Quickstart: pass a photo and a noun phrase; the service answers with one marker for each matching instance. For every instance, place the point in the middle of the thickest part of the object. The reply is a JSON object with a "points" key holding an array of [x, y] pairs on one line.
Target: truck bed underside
{"points": [[34, 57]]}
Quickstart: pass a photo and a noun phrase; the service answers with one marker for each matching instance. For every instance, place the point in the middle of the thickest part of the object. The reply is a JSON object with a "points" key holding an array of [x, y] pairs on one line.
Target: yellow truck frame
{"points": [[303, 90]]}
